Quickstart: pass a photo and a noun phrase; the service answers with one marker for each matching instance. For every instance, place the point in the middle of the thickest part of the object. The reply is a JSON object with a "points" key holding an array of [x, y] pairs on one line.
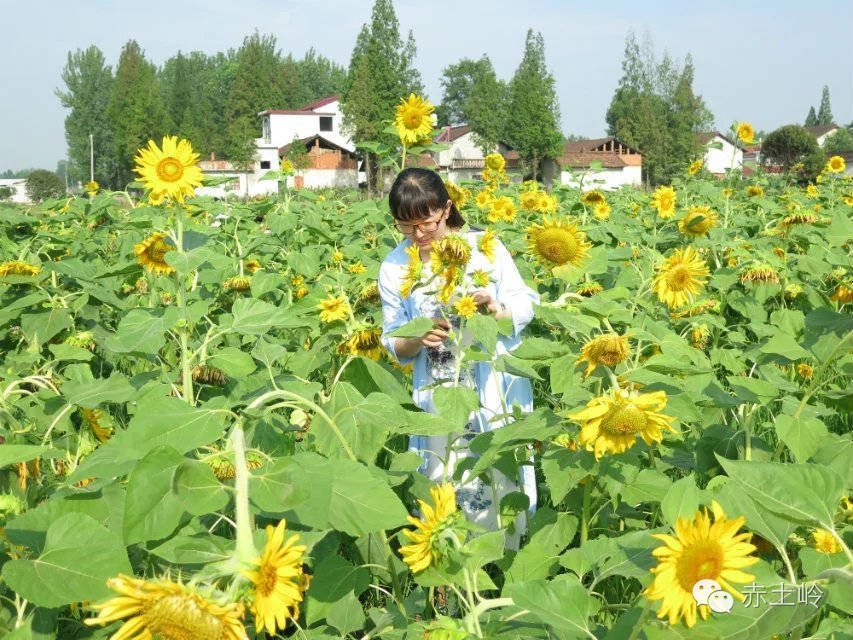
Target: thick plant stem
{"points": [[246, 551], [587, 495]]}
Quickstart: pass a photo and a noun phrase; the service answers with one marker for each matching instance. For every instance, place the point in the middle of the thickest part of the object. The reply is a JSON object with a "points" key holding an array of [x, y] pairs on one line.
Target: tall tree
{"points": [[532, 124], [824, 112], [259, 84], [135, 112], [176, 87], [457, 83], [811, 119], [380, 74], [320, 77], [88, 83]]}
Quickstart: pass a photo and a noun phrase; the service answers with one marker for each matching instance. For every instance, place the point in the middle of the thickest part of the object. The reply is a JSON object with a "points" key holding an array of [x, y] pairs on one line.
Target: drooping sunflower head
{"points": [[252, 266], [695, 167], [495, 162], [369, 294], [608, 350], [745, 132], [237, 283], [800, 217], [663, 200], [279, 580], [458, 195], [91, 188], [698, 221], [414, 271], [589, 289], [699, 335], [701, 549], [452, 250], [759, 272], [169, 610], [754, 190], [697, 308], [98, 422], [487, 243], [843, 293], [170, 172], [334, 308], [413, 120], [611, 423], [680, 277], [835, 164], [151, 253], [18, 268], [364, 342], [592, 198], [426, 548], [557, 242]]}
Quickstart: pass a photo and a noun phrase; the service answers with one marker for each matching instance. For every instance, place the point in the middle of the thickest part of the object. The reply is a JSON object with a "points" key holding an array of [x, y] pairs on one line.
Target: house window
{"points": [[265, 164], [267, 130], [325, 123]]}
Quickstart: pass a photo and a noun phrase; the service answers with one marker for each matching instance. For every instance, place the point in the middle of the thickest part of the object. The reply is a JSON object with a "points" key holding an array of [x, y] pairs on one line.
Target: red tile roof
{"points": [[322, 102], [822, 129], [290, 112], [449, 134], [611, 152]]}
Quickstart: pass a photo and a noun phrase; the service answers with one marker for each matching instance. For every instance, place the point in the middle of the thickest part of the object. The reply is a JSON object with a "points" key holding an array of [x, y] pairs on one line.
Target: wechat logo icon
{"points": [[712, 595]]}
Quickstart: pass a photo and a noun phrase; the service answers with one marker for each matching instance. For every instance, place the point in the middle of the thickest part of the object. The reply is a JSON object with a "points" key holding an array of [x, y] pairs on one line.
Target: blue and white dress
{"points": [[498, 391]]}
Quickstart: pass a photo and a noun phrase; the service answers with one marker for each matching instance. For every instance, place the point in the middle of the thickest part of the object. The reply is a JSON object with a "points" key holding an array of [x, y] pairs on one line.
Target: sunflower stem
{"points": [[587, 496], [246, 551]]}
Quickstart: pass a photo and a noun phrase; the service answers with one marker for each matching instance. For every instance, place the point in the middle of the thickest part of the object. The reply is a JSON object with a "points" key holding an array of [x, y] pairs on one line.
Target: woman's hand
{"points": [[488, 304], [408, 347]]}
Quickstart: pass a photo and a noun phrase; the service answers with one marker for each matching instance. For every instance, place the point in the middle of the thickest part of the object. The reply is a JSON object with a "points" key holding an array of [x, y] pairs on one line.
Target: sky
{"points": [[760, 61]]}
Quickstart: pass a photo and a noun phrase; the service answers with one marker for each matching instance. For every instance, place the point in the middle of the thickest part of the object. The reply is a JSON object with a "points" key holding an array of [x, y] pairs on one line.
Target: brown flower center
{"points": [[170, 170], [624, 420], [678, 277], [557, 245], [267, 579]]}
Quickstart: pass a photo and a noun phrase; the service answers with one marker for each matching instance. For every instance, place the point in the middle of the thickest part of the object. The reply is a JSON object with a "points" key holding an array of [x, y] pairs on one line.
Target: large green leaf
{"points": [[116, 388], [15, 453], [802, 435], [256, 317], [564, 604], [140, 331], [78, 558]]}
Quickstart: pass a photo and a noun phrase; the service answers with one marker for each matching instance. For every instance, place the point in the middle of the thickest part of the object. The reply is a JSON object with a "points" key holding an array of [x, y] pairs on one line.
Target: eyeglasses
{"points": [[426, 226]]}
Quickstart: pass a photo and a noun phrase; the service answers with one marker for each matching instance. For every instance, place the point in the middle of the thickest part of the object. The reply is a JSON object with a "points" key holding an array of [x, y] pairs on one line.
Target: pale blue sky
{"points": [[765, 62]]}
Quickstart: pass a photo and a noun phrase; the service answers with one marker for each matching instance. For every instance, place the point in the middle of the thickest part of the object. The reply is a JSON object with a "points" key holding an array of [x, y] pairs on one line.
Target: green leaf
{"points": [[752, 389], [276, 487], [413, 329], [15, 453], [563, 603], [782, 344], [194, 545], [255, 317], [140, 331], [41, 327], [116, 388], [485, 329], [770, 526], [455, 405], [681, 501], [334, 578], [69, 353], [233, 361], [803, 435], [368, 376], [153, 510], [650, 485], [79, 556], [804, 493]]}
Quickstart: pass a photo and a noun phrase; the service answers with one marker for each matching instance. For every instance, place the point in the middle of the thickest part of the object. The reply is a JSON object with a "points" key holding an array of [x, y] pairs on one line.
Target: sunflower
{"points": [[546, 203], [413, 120], [168, 173], [754, 190], [356, 267], [413, 270], [601, 211], [695, 167], [206, 374], [699, 550], [805, 370], [502, 208], [237, 283], [252, 266], [612, 422], [364, 342], [698, 221], [457, 194], [93, 418], [487, 243], [494, 177], [663, 200], [495, 162], [480, 278], [727, 192], [452, 250], [835, 164], [369, 293], [484, 199], [465, 306], [609, 350], [557, 242], [286, 166], [425, 549], [695, 309], [300, 293], [592, 198], [761, 272], [18, 268], [800, 217], [151, 251], [337, 256], [745, 133], [528, 200], [699, 335], [167, 610], [680, 277], [812, 191], [450, 278], [588, 289], [842, 294], [279, 580], [334, 308], [825, 542], [91, 188]]}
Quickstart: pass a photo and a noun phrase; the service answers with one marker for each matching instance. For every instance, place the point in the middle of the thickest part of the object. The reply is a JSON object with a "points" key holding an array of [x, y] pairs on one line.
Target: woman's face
{"points": [[424, 231]]}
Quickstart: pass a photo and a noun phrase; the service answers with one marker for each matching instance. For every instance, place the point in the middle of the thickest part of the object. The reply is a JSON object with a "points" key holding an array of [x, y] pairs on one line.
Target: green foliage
{"points": [[795, 150], [88, 86], [473, 95], [655, 110], [811, 118], [43, 184], [135, 111], [824, 112], [6, 193], [840, 141], [533, 115]]}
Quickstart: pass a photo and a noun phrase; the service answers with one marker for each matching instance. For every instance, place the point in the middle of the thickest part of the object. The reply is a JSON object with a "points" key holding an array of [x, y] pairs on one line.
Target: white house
{"points": [[463, 159], [822, 132], [18, 189], [721, 152], [600, 163], [329, 164]]}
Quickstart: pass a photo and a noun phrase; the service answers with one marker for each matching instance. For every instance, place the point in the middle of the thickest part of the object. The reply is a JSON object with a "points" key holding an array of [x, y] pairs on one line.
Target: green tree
{"points": [[811, 119], [794, 149], [43, 184], [259, 84], [319, 77], [135, 112], [380, 74], [840, 141], [88, 86], [824, 112], [532, 123]]}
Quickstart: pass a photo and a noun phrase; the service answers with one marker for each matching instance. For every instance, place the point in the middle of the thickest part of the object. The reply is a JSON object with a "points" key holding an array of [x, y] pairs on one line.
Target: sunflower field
{"points": [[203, 438]]}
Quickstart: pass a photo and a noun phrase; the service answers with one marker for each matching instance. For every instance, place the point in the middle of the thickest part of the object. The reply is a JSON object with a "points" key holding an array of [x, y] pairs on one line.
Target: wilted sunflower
{"points": [[804, 370], [761, 272], [167, 610], [842, 294], [426, 547], [168, 173], [364, 342], [592, 198], [94, 418], [457, 194], [695, 309], [611, 423], [745, 132], [754, 190], [151, 251], [206, 374], [609, 350], [237, 283], [279, 581], [413, 120], [835, 164], [825, 542], [450, 279], [800, 217], [695, 167], [495, 162], [369, 293], [465, 306], [251, 266], [698, 221], [414, 270], [557, 242], [334, 308], [699, 335], [680, 277], [699, 550], [486, 244], [663, 200], [452, 250], [18, 268], [588, 289], [300, 292], [91, 188], [480, 278]]}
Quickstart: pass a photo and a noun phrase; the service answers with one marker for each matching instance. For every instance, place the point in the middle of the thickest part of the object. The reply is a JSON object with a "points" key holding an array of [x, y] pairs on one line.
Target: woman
{"points": [[425, 214]]}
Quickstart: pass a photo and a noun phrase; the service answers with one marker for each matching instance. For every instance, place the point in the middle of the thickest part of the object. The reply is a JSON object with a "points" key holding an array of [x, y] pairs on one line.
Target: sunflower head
{"points": [[699, 335], [364, 342], [695, 167], [486, 244], [754, 190], [812, 191], [169, 172], [356, 267], [759, 272], [465, 306], [843, 294], [286, 166], [698, 221], [92, 188], [334, 308], [680, 277], [495, 162], [592, 198], [151, 253], [452, 250], [237, 283], [426, 546], [18, 268], [484, 199], [458, 195], [835, 164], [663, 200], [501, 209], [528, 200], [414, 271], [745, 132], [252, 266], [557, 242], [608, 350], [413, 120]]}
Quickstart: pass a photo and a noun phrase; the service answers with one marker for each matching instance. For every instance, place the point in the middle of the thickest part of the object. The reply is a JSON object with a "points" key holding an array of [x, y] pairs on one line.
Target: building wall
{"points": [[462, 147], [605, 179], [19, 190], [726, 157], [323, 178], [284, 127]]}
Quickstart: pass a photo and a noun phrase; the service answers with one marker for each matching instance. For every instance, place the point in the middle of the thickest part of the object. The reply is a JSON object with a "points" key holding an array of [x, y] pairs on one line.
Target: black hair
{"points": [[417, 193]]}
